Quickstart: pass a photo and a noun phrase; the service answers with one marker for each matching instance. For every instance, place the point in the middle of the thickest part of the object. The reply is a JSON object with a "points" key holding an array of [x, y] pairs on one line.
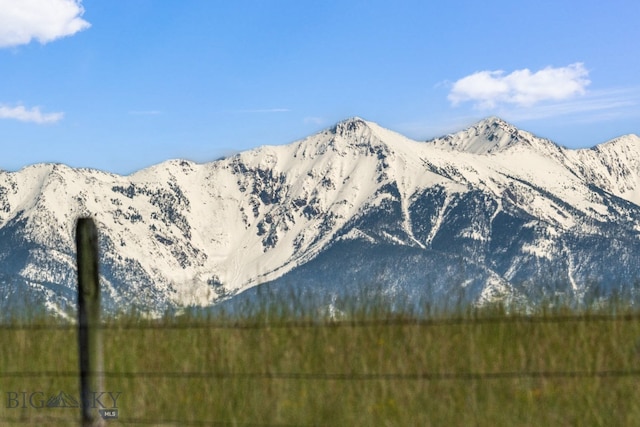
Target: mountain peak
{"points": [[351, 126], [488, 136], [496, 122], [629, 141]]}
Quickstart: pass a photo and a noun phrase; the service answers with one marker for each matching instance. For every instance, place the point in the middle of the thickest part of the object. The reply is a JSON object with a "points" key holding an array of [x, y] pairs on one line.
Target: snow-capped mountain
{"points": [[489, 213]]}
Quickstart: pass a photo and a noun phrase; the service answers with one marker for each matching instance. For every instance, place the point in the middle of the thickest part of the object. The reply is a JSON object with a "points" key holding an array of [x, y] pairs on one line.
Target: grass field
{"points": [[483, 368]]}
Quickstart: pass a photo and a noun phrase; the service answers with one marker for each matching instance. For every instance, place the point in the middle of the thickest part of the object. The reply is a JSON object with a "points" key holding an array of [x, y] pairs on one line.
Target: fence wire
{"points": [[313, 376], [466, 320], [337, 376]]}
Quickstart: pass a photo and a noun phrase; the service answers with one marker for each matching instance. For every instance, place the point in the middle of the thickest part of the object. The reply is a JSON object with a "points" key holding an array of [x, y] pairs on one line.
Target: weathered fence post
{"points": [[89, 339]]}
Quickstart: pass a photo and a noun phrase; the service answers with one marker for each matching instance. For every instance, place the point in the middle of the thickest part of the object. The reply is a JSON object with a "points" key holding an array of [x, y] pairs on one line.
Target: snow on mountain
{"points": [[491, 135], [491, 212], [614, 166]]}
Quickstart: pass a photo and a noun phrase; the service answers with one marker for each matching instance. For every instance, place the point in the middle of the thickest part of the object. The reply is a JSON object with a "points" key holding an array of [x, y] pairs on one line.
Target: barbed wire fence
{"points": [[428, 376], [470, 376]]}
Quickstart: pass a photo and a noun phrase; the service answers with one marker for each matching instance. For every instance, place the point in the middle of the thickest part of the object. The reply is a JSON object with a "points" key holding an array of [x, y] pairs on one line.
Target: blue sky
{"points": [[119, 85]]}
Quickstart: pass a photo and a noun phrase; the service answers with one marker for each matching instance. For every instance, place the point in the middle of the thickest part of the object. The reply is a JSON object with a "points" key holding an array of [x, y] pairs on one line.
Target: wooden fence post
{"points": [[89, 338]]}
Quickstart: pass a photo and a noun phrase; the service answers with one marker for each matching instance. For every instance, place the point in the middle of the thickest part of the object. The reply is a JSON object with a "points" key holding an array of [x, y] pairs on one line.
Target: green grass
{"points": [[483, 368]]}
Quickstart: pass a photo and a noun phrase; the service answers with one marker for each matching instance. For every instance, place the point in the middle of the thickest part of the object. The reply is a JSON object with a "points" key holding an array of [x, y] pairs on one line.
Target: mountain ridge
{"points": [[496, 202], [488, 136]]}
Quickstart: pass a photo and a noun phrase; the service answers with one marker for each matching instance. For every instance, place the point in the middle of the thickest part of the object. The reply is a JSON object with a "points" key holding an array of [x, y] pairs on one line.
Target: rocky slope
{"points": [[489, 213]]}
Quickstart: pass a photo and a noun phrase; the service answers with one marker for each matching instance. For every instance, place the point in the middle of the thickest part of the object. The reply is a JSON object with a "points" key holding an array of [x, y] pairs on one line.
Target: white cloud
{"points": [[33, 115], [21, 21], [596, 105], [486, 89]]}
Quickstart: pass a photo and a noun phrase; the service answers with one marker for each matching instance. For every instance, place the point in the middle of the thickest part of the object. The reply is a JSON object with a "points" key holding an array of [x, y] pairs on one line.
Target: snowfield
{"points": [[527, 219]]}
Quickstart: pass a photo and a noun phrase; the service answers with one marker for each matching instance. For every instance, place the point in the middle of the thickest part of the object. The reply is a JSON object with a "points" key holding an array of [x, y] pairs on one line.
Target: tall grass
{"points": [[371, 367]]}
